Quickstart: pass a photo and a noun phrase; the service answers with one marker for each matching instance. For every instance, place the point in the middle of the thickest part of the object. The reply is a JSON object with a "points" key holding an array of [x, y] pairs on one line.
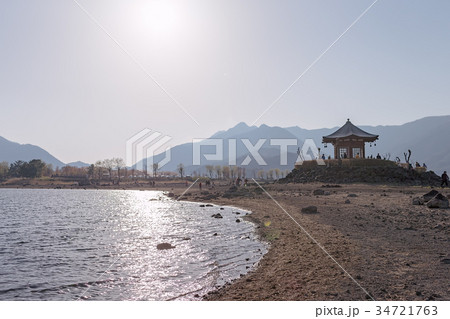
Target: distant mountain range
{"points": [[12, 151], [428, 139]]}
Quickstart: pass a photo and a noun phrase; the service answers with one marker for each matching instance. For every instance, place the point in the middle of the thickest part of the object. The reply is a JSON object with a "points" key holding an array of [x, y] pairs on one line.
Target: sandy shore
{"points": [[392, 249]]}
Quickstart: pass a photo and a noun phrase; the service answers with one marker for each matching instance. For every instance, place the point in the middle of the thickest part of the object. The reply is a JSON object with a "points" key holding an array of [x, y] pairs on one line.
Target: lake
{"points": [[101, 245]]}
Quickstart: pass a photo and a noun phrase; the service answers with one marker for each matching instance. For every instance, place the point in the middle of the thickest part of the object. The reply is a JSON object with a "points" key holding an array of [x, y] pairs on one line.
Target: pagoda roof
{"points": [[349, 130]]}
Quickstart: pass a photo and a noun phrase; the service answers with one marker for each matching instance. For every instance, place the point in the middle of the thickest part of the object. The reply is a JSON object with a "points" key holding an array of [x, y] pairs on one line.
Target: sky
{"points": [[79, 78]]}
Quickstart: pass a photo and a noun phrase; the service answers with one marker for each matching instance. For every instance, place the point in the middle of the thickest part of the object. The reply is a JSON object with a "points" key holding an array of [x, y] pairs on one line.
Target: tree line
{"points": [[32, 169], [115, 169]]}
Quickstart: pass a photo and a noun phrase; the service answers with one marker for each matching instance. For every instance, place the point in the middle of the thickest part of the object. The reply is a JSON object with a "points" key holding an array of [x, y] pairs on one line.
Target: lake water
{"points": [[101, 245]]}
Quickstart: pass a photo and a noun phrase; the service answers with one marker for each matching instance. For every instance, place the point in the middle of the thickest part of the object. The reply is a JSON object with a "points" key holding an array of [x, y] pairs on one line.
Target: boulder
{"points": [[310, 210], [171, 195], [352, 195], [318, 192], [428, 196], [418, 201], [164, 246], [217, 215], [438, 201]]}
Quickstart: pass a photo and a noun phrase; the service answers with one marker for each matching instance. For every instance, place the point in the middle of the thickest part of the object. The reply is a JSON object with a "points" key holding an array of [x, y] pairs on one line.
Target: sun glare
{"points": [[160, 18]]}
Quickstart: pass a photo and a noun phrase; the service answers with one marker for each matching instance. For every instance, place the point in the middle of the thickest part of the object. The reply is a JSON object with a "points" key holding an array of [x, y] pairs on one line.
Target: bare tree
{"points": [[218, 169], [118, 164], [260, 174], [277, 173], [180, 169], [407, 156], [99, 169], [155, 169], [210, 170], [109, 165], [226, 172]]}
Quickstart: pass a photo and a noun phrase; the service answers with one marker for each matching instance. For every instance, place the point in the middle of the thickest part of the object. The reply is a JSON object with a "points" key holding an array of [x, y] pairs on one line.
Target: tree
{"points": [[15, 169], [226, 172], [407, 156], [155, 169], [109, 165], [118, 164], [91, 171], [99, 169], [180, 169], [210, 170], [260, 174], [218, 169], [4, 169], [277, 173], [48, 170]]}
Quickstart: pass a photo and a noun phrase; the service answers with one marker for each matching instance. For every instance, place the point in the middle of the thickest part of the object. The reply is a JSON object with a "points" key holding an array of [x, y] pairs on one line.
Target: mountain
{"points": [[240, 135], [78, 164], [428, 139], [11, 152]]}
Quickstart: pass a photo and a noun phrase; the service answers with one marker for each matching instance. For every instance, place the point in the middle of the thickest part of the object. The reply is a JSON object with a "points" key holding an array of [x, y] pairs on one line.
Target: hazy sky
{"points": [[66, 86]]}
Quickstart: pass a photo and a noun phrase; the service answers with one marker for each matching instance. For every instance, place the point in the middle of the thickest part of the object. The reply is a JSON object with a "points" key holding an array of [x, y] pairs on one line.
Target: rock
{"points": [[438, 201], [221, 208], [428, 196], [352, 195], [186, 238], [164, 246], [238, 220], [446, 261], [318, 192], [202, 205], [217, 215], [215, 234], [347, 201], [209, 205], [310, 210], [418, 201], [171, 195]]}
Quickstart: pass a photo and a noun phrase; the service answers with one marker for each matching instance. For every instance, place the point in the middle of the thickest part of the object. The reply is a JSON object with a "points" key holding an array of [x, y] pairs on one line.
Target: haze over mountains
{"points": [[428, 139]]}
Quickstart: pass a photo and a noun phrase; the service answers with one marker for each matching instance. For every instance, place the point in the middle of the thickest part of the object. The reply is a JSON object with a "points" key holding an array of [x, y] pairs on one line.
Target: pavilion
{"points": [[349, 141]]}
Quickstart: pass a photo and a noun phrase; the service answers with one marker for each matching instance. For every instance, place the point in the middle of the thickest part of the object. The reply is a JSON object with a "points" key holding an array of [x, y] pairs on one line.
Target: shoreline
{"points": [[394, 250]]}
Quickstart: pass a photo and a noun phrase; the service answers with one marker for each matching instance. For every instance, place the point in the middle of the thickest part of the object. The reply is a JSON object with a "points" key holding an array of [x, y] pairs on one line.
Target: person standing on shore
{"points": [[444, 179]]}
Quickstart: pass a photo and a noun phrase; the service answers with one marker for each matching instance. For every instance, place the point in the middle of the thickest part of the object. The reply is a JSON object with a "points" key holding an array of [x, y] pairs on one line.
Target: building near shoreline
{"points": [[349, 141]]}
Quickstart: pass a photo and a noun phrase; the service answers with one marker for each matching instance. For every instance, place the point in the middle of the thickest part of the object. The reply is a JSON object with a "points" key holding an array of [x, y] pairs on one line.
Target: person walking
{"points": [[444, 179]]}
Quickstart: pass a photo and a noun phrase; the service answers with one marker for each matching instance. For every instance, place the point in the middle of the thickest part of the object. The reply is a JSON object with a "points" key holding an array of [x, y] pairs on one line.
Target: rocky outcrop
{"points": [[391, 174]]}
